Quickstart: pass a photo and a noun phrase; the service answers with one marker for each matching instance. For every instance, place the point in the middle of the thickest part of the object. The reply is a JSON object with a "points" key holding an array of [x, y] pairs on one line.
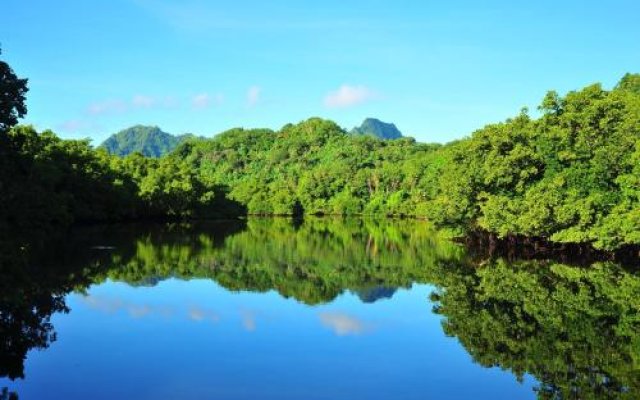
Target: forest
{"points": [[569, 173]]}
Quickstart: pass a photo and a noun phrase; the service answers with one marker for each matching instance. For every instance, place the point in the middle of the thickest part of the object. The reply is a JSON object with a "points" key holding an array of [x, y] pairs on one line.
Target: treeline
{"points": [[571, 175], [50, 182]]}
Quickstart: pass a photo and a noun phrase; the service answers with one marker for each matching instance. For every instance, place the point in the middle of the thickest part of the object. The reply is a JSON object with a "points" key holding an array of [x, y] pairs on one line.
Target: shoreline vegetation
{"points": [[568, 178]]}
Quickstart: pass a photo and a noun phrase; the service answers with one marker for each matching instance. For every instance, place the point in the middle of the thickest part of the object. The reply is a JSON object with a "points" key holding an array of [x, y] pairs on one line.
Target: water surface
{"points": [[314, 309]]}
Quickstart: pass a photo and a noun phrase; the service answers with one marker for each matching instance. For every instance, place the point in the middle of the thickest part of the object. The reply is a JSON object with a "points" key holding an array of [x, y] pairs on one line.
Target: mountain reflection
{"points": [[575, 329]]}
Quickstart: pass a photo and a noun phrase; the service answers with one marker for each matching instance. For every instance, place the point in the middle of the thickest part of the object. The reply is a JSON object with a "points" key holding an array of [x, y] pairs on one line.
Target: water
{"points": [[320, 309]]}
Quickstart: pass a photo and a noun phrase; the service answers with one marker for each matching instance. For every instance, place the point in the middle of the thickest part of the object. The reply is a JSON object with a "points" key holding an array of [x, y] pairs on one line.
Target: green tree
{"points": [[12, 97]]}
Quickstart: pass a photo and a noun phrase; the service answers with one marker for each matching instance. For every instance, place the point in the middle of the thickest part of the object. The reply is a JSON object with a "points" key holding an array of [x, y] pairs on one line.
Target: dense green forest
{"points": [[569, 175]]}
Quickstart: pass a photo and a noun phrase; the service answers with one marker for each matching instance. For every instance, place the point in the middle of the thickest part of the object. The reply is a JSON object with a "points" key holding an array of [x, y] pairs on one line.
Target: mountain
{"points": [[148, 140], [377, 128]]}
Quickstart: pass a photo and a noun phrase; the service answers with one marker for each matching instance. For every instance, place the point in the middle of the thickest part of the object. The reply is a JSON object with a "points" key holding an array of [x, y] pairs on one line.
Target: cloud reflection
{"points": [[343, 324], [198, 314], [248, 320], [113, 305]]}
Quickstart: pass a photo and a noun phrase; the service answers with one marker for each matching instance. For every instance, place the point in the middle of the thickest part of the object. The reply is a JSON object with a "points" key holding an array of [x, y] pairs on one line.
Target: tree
{"points": [[12, 97]]}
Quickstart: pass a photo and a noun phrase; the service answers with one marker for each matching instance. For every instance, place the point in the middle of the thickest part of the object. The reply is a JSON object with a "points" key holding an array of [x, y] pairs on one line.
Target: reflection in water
{"points": [[312, 263], [373, 294], [31, 291], [575, 329], [110, 306], [343, 324], [198, 314]]}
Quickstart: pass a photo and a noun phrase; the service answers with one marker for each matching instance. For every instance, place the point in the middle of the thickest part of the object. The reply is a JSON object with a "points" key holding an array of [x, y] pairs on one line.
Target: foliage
{"points": [[50, 182], [570, 176], [313, 167], [574, 329], [13, 92]]}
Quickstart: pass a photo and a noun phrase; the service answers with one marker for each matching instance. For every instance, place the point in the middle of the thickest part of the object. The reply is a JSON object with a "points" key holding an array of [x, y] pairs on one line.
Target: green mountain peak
{"points": [[151, 141], [375, 127]]}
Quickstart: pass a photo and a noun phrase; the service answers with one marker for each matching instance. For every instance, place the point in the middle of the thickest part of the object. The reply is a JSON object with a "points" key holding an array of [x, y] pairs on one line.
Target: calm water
{"points": [[320, 309]]}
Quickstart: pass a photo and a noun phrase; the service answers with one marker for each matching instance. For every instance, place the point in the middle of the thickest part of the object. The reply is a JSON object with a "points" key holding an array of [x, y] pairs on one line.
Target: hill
{"points": [[151, 141], [375, 127]]}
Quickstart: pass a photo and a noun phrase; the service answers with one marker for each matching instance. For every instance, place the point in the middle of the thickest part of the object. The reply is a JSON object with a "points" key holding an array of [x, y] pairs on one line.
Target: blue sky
{"points": [[437, 69]]}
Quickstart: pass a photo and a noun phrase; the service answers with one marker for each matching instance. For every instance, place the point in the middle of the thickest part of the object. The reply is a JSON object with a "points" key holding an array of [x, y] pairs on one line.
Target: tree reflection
{"points": [[576, 330], [31, 291], [312, 262]]}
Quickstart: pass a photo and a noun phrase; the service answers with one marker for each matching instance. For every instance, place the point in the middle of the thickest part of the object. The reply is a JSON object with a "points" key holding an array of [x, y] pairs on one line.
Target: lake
{"points": [[320, 308]]}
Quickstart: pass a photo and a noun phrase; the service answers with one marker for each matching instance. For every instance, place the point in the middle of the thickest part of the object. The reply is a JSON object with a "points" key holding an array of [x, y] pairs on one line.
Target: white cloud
{"points": [[248, 321], [139, 311], [348, 96], [103, 304], [114, 305], [204, 100], [73, 125], [198, 314], [143, 101], [138, 101], [107, 107], [253, 95], [343, 324], [201, 101]]}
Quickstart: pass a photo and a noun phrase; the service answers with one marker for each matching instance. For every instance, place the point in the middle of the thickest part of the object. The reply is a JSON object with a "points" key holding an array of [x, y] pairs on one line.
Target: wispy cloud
{"points": [[138, 101], [343, 324], [201, 101], [149, 102], [204, 100], [139, 311], [113, 305], [248, 320], [73, 125], [253, 95], [143, 101], [103, 304], [107, 107], [348, 96], [198, 314]]}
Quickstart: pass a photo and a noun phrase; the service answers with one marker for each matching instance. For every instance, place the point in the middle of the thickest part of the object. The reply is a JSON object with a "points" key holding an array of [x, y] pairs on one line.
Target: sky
{"points": [[437, 69]]}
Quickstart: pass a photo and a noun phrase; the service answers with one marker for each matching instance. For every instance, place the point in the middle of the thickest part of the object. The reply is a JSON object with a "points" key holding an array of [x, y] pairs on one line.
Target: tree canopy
{"points": [[13, 92]]}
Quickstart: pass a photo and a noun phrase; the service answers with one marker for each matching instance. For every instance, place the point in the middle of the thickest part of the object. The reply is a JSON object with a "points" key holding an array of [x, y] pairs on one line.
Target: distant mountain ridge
{"points": [[375, 127], [151, 141]]}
